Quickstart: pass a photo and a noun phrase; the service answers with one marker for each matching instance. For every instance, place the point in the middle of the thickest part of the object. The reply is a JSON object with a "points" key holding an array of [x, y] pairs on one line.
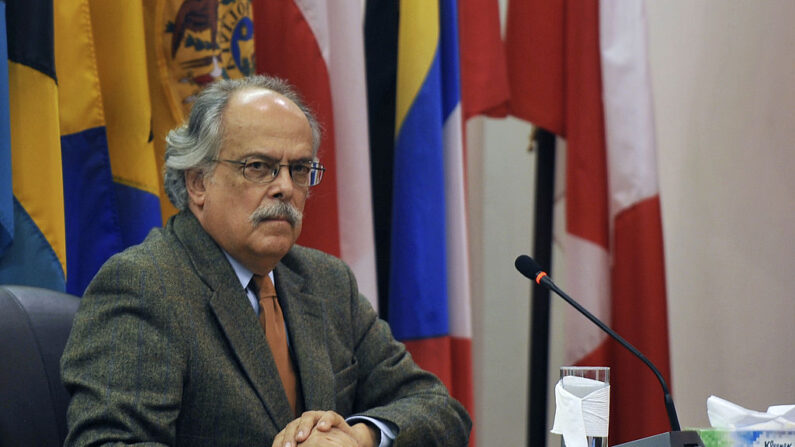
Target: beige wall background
{"points": [[723, 80]]}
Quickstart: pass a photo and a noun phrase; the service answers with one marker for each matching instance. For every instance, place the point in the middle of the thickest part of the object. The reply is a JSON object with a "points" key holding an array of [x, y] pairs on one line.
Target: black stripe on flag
{"points": [[29, 27], [380, 46]]}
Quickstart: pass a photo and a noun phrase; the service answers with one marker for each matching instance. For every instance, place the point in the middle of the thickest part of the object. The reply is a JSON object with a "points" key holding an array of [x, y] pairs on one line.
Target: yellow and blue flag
{"points": [[120, 45], [110, 180], [33, 218], [428, 286], [418, 276], [82, 160]]}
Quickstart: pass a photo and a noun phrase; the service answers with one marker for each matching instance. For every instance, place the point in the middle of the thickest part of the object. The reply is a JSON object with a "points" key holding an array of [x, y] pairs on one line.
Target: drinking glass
{"points": [[597, 373]]}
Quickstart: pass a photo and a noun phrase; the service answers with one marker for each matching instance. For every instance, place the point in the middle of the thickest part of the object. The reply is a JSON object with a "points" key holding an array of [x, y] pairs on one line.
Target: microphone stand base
{"points": [[670, 439]]}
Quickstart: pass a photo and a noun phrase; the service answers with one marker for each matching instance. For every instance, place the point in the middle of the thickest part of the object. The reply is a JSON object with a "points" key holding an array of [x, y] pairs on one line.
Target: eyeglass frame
{"points": [[277, 168]]}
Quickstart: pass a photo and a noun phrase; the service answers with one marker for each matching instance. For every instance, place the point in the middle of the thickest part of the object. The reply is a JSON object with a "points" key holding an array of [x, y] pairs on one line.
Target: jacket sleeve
{"points": [[123, 362], [393, 388]]}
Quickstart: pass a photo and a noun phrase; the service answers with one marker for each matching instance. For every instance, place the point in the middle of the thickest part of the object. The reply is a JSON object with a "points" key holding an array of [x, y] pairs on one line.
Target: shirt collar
{"points": [[244, 275]]}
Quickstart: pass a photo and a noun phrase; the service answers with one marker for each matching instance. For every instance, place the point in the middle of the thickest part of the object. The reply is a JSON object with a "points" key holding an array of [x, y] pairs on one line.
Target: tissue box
{"points": [[746, 438]]}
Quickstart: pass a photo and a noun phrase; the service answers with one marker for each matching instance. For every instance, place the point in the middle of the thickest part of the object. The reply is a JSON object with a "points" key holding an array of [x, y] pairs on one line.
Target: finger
{"points": [[305, 424], [333, 438], [278, 441], [331, 419], [286, 437]]}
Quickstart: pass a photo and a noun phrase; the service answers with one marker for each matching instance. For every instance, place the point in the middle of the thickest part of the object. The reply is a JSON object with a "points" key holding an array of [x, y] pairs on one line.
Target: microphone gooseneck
{"points": [[530, 268]]}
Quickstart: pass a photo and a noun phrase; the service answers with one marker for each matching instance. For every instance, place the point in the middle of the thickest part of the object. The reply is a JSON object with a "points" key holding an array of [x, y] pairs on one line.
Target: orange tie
{"points": [[272, 321]]}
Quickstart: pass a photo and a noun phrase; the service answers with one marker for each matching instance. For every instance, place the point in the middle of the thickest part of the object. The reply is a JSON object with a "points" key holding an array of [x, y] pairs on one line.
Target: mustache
{"points": [[278, 210]]}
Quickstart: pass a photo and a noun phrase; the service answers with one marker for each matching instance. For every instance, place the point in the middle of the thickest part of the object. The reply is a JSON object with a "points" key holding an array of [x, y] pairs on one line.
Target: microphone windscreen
{"points": [[527, 267]]}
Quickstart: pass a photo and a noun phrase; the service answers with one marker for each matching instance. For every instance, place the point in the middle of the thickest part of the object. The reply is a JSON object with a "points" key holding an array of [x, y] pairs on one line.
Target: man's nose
{"points": [[282, 186]]}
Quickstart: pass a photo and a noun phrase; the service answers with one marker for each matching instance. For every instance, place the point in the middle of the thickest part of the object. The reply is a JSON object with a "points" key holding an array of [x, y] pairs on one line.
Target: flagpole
{"points": [[543, 143]]}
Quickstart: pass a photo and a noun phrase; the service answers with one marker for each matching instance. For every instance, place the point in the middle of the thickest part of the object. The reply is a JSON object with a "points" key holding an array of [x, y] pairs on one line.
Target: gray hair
{"points": [[196, 143]]}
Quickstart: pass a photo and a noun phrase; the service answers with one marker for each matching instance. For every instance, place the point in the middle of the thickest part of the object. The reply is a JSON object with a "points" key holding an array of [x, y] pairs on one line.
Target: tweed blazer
{"points": [[167, 350]]}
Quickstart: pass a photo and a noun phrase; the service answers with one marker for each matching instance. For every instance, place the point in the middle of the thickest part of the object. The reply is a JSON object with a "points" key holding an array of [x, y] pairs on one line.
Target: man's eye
{"points": [[257, 166], [300, 169]]}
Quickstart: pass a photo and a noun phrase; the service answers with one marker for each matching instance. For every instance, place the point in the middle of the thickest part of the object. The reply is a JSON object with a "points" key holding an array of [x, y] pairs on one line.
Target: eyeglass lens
{"points": [[303, 174]]}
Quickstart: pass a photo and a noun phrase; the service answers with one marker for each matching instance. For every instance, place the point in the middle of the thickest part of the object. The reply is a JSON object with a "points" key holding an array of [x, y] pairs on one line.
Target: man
{"points": [[177, 342]]}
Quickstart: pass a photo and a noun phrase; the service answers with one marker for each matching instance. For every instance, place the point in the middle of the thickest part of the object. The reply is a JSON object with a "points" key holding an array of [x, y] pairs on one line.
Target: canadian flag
{"points": [[583, 74]]}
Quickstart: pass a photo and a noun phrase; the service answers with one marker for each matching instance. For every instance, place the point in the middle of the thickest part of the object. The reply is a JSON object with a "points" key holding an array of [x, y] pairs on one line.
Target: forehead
{"points": [[265, 122], [262, 97], [261, 104]]}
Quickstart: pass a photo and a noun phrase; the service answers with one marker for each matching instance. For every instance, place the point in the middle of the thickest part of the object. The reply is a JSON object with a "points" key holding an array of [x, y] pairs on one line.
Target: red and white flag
{"points": [[319, 48], [584, 75], [484, 73]]}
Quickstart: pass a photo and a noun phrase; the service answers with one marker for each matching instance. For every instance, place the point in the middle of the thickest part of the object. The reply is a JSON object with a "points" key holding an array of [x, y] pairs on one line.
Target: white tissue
{"points": [[729, 416], [582, 409]]}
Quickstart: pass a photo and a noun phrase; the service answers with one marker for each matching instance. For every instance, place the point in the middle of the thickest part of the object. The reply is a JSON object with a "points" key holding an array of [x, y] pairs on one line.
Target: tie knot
{"points": [[264, 286]]}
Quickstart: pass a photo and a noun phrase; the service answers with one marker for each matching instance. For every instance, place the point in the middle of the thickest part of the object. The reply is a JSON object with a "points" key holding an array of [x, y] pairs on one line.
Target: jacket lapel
{"points": [[304, 314], [236, 318], [248, 343]]}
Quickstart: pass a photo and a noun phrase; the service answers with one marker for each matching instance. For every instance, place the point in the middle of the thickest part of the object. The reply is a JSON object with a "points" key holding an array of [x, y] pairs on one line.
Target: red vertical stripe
{"points": [[484, 77], [534, 46], [640, 315], [461, 352], [587, 214], [286, 47]]}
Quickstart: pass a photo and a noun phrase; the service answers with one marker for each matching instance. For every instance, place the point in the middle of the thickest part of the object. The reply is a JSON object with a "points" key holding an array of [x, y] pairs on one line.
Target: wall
{"points": [[501, 221], [723, 75]]}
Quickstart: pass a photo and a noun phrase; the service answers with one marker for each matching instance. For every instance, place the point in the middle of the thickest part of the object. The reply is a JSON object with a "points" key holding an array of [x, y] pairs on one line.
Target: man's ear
{"points": [[194, 183]]}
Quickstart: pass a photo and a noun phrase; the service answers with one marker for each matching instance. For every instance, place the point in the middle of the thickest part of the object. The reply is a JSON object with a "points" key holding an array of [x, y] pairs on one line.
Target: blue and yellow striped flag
{"points": [[83, 169], [429, 297], [36, 252]]}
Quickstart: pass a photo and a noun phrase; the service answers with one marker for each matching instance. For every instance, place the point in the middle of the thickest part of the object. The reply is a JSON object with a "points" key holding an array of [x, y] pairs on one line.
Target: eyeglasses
{"points": [[259, 170]]}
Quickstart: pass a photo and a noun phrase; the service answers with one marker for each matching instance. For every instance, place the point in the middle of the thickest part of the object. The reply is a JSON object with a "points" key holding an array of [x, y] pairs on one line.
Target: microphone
{"points": [[530, 268]]}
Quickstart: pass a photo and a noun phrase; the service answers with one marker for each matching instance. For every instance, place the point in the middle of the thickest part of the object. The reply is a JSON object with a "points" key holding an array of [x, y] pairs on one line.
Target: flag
{"points": [[418, 176], [106, 209], [429, 295], [120, 46], [484, 74], [189, 44], [63, 182], [579, 69], [319, 49], [88, 198], [35, 252], [639, 308], [535, 51]]}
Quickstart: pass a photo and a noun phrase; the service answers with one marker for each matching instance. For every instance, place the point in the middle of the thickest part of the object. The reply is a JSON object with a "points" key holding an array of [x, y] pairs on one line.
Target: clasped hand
{"points": [[324, 428]]}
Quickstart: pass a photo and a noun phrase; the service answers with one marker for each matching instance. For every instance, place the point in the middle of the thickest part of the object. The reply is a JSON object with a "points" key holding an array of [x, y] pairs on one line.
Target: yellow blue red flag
{"points": [[428, 286]]}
